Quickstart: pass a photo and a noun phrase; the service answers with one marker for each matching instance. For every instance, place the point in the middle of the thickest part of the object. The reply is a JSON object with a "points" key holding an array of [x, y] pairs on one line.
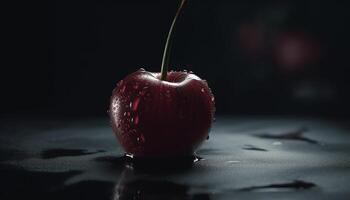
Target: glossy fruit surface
{"points": [[151, 117]]}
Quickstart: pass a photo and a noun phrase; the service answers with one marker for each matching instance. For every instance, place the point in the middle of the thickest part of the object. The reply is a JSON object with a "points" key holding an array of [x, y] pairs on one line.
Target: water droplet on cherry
{"points": [[203, 90], [136, 86], [140, 139], [143, 91], [122, 89]]}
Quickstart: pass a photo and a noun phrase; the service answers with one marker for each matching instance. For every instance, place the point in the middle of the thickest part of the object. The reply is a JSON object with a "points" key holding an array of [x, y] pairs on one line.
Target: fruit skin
{"points": [[154, 118]]}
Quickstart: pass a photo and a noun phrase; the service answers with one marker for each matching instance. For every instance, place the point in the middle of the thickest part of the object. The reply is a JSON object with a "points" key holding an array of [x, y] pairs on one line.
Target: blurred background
{"points": [[63, 58]]}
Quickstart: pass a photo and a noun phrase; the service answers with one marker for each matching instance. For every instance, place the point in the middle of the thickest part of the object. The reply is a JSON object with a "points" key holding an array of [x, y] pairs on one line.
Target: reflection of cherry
{"points": [[294, 52], [134, 184], [161, 114]]}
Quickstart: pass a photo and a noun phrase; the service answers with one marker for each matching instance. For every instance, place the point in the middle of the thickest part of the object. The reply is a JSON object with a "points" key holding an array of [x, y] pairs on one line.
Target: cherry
{"points": [[162, 114]]}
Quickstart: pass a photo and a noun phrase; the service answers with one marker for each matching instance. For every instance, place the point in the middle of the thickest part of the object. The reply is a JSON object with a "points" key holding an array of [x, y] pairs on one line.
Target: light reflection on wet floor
{"points": [[242, 158]]}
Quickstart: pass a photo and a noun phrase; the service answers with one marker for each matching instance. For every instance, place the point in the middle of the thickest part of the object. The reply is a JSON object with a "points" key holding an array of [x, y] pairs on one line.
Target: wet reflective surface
{"points": [[245, 158]]}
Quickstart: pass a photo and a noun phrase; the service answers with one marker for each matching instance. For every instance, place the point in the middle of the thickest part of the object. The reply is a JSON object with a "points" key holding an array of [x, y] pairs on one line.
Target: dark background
{"points": [[63, 58]]}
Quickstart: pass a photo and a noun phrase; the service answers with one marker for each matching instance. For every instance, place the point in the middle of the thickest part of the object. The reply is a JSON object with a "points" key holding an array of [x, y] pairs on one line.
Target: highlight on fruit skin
{"points": [[155, 118]]}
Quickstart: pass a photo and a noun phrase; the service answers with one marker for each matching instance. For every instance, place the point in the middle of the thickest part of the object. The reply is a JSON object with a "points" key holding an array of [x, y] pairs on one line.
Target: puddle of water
{"points": [[295, 185], [293, 135], [252, 148]]}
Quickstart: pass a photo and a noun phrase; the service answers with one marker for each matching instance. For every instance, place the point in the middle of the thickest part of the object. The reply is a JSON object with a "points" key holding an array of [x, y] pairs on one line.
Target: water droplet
{"points": [[124, 113], [122, 89], [212, 98], [136, 121], [185, 71], [203, 90], [140, 139], [142, 92], [142, 69], [135, 104], [136, 86]]}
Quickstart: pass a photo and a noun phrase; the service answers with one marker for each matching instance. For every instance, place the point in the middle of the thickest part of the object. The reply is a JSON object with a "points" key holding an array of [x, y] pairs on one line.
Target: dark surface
{"points": [[60, 159]]}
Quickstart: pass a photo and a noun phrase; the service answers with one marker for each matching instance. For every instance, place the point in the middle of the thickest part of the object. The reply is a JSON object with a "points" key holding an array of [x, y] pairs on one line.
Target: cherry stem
{"points": [[166, 53]]}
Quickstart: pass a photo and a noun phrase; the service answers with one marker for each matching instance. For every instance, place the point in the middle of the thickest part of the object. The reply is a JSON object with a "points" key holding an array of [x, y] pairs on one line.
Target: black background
{"points": [[63, 58]]}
